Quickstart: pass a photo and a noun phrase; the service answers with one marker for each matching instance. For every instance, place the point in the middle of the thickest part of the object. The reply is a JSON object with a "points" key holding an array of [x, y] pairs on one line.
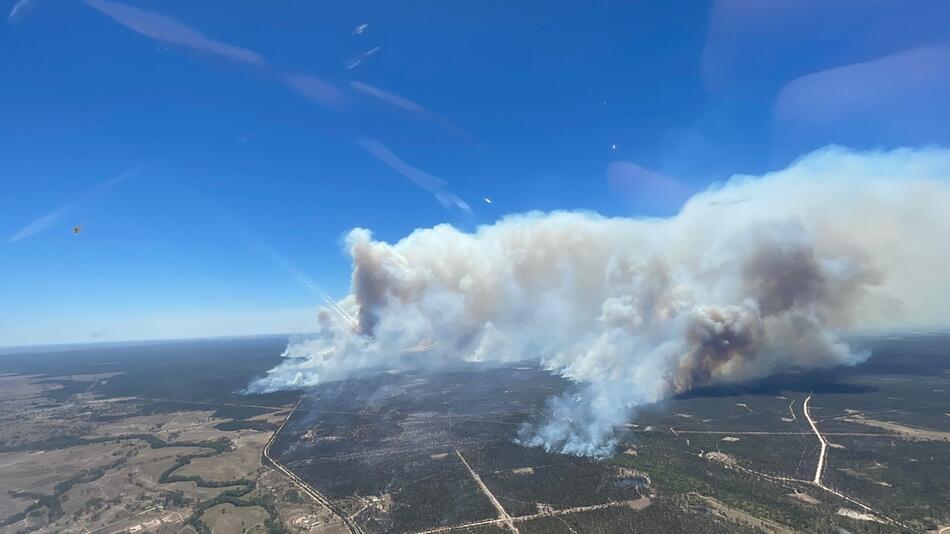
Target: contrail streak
{"points": [[20, 11], [49, 219], [169, 30], [312, 285], [430, 183], [355, 62]]}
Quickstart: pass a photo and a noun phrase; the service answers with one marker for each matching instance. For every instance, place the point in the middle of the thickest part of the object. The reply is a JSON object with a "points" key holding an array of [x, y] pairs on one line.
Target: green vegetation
{"points": [[175, 498], [239, 412], [53, 503], [65, 442], [234, 496], [262, 426]]}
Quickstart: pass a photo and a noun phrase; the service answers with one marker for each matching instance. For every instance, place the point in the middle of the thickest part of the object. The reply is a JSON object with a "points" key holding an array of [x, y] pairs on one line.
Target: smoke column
{"points": [[637, 310]]}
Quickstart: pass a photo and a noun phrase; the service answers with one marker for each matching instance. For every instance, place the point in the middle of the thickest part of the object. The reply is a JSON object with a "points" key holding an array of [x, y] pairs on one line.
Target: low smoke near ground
{"points": [[637, 310]]}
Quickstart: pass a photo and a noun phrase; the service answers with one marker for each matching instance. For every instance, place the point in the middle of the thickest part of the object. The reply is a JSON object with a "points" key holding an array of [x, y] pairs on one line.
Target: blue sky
{"points": [[204, 147]]}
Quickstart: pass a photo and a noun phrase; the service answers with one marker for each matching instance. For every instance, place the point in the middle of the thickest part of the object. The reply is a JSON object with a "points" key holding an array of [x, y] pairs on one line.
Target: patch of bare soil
{"points": [[910, 432], [740, 517], [720, 457], [804, 497], [640, 503], [860, 516]]}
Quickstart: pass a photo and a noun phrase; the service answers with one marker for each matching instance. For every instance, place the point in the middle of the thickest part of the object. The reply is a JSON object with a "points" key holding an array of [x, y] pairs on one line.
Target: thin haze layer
{"points": [[169, 30], [636, 310]]}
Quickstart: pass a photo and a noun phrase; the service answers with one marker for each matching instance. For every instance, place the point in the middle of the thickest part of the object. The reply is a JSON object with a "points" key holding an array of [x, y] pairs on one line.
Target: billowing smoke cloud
{"points": [[636, 310]]}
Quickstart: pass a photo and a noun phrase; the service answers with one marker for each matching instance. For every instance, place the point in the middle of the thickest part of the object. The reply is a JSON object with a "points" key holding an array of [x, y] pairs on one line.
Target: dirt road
{"points": [[502, 514], [824, 444]]}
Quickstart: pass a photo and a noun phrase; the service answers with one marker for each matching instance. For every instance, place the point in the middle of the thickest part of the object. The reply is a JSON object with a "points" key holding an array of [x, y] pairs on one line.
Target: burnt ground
{"points": [[390, 447]]}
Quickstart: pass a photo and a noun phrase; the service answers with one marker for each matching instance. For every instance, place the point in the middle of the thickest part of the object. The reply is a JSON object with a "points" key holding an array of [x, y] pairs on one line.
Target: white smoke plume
{"points": [[637, 310]]}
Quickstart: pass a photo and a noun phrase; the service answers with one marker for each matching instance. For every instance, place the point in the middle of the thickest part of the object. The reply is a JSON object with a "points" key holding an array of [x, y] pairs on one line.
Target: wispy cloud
{"points": [[433, 184], [310, 284], [744, 37], [112, 182], [403, 103], [169, 30], [40, 224], [354, 62], [49, 219], [20, 10], [395, 100], [317, 90], [905, 88]]}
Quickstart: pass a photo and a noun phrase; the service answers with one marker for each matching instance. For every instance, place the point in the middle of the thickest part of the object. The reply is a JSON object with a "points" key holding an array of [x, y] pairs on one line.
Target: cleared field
{"points": [[78, 457], [242, 461], [229, 518], [908, 432]]}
